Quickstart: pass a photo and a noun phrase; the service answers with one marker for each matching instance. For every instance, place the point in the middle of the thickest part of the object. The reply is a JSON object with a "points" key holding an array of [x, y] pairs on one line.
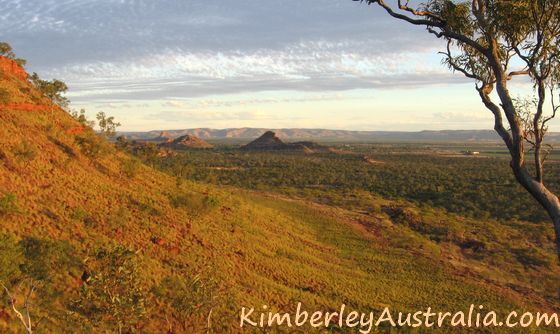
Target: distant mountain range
{"points": [[325, 134]]}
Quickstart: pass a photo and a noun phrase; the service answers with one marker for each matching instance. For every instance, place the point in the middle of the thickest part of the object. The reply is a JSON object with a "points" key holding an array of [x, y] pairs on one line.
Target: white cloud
{"points": [[243, 62], [311, 66], [204, 116]]}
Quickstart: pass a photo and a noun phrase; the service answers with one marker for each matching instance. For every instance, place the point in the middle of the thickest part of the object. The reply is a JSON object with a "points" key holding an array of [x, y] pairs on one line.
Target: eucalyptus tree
{"points": [[107, 125], [54, 89], [494, 42]]}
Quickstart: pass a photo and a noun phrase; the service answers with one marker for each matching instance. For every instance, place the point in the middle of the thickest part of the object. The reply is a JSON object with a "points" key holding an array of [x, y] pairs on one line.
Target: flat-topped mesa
{"points": [[10, 67]]}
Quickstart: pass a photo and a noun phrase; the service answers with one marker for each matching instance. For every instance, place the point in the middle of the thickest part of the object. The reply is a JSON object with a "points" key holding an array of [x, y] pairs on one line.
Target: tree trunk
{"points": [[557, 229], [547, 199], [556, 221]]}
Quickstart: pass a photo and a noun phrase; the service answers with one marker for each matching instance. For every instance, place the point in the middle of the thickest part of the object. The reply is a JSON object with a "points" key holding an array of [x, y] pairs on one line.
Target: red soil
{"points": [[24, 107], [76, 130]]}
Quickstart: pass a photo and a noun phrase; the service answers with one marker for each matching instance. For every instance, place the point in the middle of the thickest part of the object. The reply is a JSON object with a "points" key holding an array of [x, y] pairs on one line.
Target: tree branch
{"points": [[19, 315], [455, 66], [26, 304], [402, 16], [484, 92], [554, 108], [514, 73], [416, 12], [430, 24]]}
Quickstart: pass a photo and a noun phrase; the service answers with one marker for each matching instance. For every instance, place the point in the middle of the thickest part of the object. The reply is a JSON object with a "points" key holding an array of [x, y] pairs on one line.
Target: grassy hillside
{"points": [[115, 244]]}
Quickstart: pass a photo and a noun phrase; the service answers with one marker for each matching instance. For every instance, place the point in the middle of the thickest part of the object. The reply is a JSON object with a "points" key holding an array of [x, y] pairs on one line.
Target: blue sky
{"points": [[172, 64]]}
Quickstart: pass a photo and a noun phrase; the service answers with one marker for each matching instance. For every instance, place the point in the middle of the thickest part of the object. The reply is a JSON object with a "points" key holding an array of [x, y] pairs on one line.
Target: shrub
{"points": [[25, 267], [144, 207], [130, 167], [8, 204], [42, 257], [33, 258], [10, 258], [79, 214], [4, 96], [113, 293], [178, 200], [212, 201], [26, 151], [91, 145], [192, 296], [193, 202], [119, 217], [147, 152], [531, 258]]}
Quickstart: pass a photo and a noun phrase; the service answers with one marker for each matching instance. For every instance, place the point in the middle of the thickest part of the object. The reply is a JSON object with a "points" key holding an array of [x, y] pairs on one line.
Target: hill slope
{"points": [[202, 252], [268, 141], [185, 142]]}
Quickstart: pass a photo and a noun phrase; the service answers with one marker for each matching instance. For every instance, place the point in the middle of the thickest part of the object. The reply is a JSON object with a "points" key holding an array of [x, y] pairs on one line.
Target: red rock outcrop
{"points": [[78, 130], [269, 141], [10, 67]]}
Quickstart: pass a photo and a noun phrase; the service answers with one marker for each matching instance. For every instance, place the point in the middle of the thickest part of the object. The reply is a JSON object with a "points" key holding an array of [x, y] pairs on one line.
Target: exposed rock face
{"points": [[164, 136], [187, 141], [269, 141], [10, 67]]}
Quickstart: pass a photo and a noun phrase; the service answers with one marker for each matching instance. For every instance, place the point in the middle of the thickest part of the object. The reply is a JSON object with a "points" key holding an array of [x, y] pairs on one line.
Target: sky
{"points": [[174, 64]]}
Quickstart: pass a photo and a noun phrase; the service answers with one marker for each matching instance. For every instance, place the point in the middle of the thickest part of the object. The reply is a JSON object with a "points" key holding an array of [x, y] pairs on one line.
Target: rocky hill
{"points": [[313, 147], [269, 141], [186, 142], [164, 137]]}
